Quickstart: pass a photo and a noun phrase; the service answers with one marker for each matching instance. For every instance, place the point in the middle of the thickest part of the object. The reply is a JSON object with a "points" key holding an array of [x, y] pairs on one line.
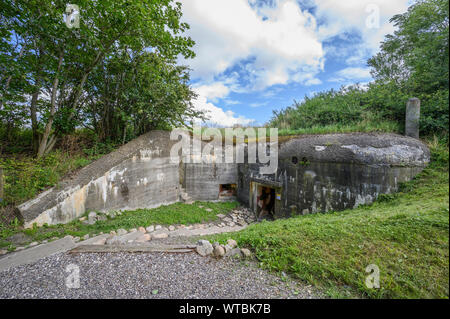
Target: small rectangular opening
{"points": [[227, 190]]}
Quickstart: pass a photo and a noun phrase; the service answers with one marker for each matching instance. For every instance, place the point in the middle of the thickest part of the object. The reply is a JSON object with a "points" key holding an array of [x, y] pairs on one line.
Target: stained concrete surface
{"points": [[315, 173]]}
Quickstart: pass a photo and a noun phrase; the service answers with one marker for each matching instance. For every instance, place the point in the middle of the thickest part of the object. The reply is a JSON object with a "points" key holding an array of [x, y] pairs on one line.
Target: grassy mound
{"points": [[405, 234]]}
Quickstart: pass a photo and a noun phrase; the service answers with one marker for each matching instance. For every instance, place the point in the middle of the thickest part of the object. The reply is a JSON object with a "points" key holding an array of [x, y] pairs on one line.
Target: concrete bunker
{"points": [[320, 173], [265, 199], [316, 173]]}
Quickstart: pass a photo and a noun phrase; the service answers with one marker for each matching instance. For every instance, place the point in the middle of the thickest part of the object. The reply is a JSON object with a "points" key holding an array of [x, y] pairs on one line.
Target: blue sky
{"points": [[256, 56]]}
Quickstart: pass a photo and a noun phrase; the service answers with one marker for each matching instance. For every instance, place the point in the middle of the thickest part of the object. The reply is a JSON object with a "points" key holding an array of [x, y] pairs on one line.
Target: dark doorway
{"points": [[227, 191], [266, 202]]}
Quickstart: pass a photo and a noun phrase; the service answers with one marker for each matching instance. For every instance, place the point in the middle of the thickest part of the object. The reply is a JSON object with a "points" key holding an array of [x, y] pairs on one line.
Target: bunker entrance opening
{"points": [[227, 191], [265, 202]]}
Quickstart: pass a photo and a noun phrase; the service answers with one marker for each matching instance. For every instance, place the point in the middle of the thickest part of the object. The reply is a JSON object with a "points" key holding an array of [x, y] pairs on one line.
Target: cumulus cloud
{"points": [[279, 45], [208, 94], [351, 74], [370, 18], [213, 91], [217, 116], [313, 82], [282, 41], [247, 46]]}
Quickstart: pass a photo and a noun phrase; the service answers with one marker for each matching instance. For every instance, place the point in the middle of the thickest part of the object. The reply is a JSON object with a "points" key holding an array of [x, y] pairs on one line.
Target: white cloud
{"points": [[279, 43], [231, 102], [277, 48], [216, 115], [245, 46], [355, 73], [313, 82], [272, 92], [286, 45], [351, 74], [356, 15], [213, 91], [258, 104]]}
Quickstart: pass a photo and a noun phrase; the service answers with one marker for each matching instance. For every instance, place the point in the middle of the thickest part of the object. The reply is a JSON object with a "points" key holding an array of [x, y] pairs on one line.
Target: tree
{"points": [[134, 93], [416, 55], [414, 61], [51, 64]]}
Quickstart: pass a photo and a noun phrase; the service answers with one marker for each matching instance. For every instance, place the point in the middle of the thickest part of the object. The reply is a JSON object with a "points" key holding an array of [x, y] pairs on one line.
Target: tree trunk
{"points": [[79, 90], [43, 148], [34, 101], [34, 124], [50, 144], [98, 58]]}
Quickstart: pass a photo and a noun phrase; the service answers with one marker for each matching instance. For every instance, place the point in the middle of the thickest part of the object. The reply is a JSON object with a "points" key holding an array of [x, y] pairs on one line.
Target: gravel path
{"points": [[156, 275]]}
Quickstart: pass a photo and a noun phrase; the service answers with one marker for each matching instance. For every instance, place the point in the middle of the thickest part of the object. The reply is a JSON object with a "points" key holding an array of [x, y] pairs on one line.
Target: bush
{"points": [[380, 107], [434, 117]]}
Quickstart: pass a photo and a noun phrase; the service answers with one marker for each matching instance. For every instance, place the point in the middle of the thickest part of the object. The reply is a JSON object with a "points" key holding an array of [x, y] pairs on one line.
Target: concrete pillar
{"points": [[412, 118]]}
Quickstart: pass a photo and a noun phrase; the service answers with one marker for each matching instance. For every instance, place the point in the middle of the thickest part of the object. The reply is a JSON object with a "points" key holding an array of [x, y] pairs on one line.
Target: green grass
{"points": [[405, 234], [364, 126], [173, 214], [381, 126], [25, 177]]}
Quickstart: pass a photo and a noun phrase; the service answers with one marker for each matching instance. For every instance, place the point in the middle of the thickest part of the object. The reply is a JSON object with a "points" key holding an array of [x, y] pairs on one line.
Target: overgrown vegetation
{"points": [[382, 126], [116, 78], [71, 94], [115, 73], [405, 234], [413, 62], [174, 214], [26, 176]]}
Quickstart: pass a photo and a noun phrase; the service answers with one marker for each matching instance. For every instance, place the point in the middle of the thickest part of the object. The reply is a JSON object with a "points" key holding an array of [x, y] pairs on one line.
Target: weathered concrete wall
{"points": [[336, 171], [321, 187], [137, 175], [330, 172], [202, 181]]}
